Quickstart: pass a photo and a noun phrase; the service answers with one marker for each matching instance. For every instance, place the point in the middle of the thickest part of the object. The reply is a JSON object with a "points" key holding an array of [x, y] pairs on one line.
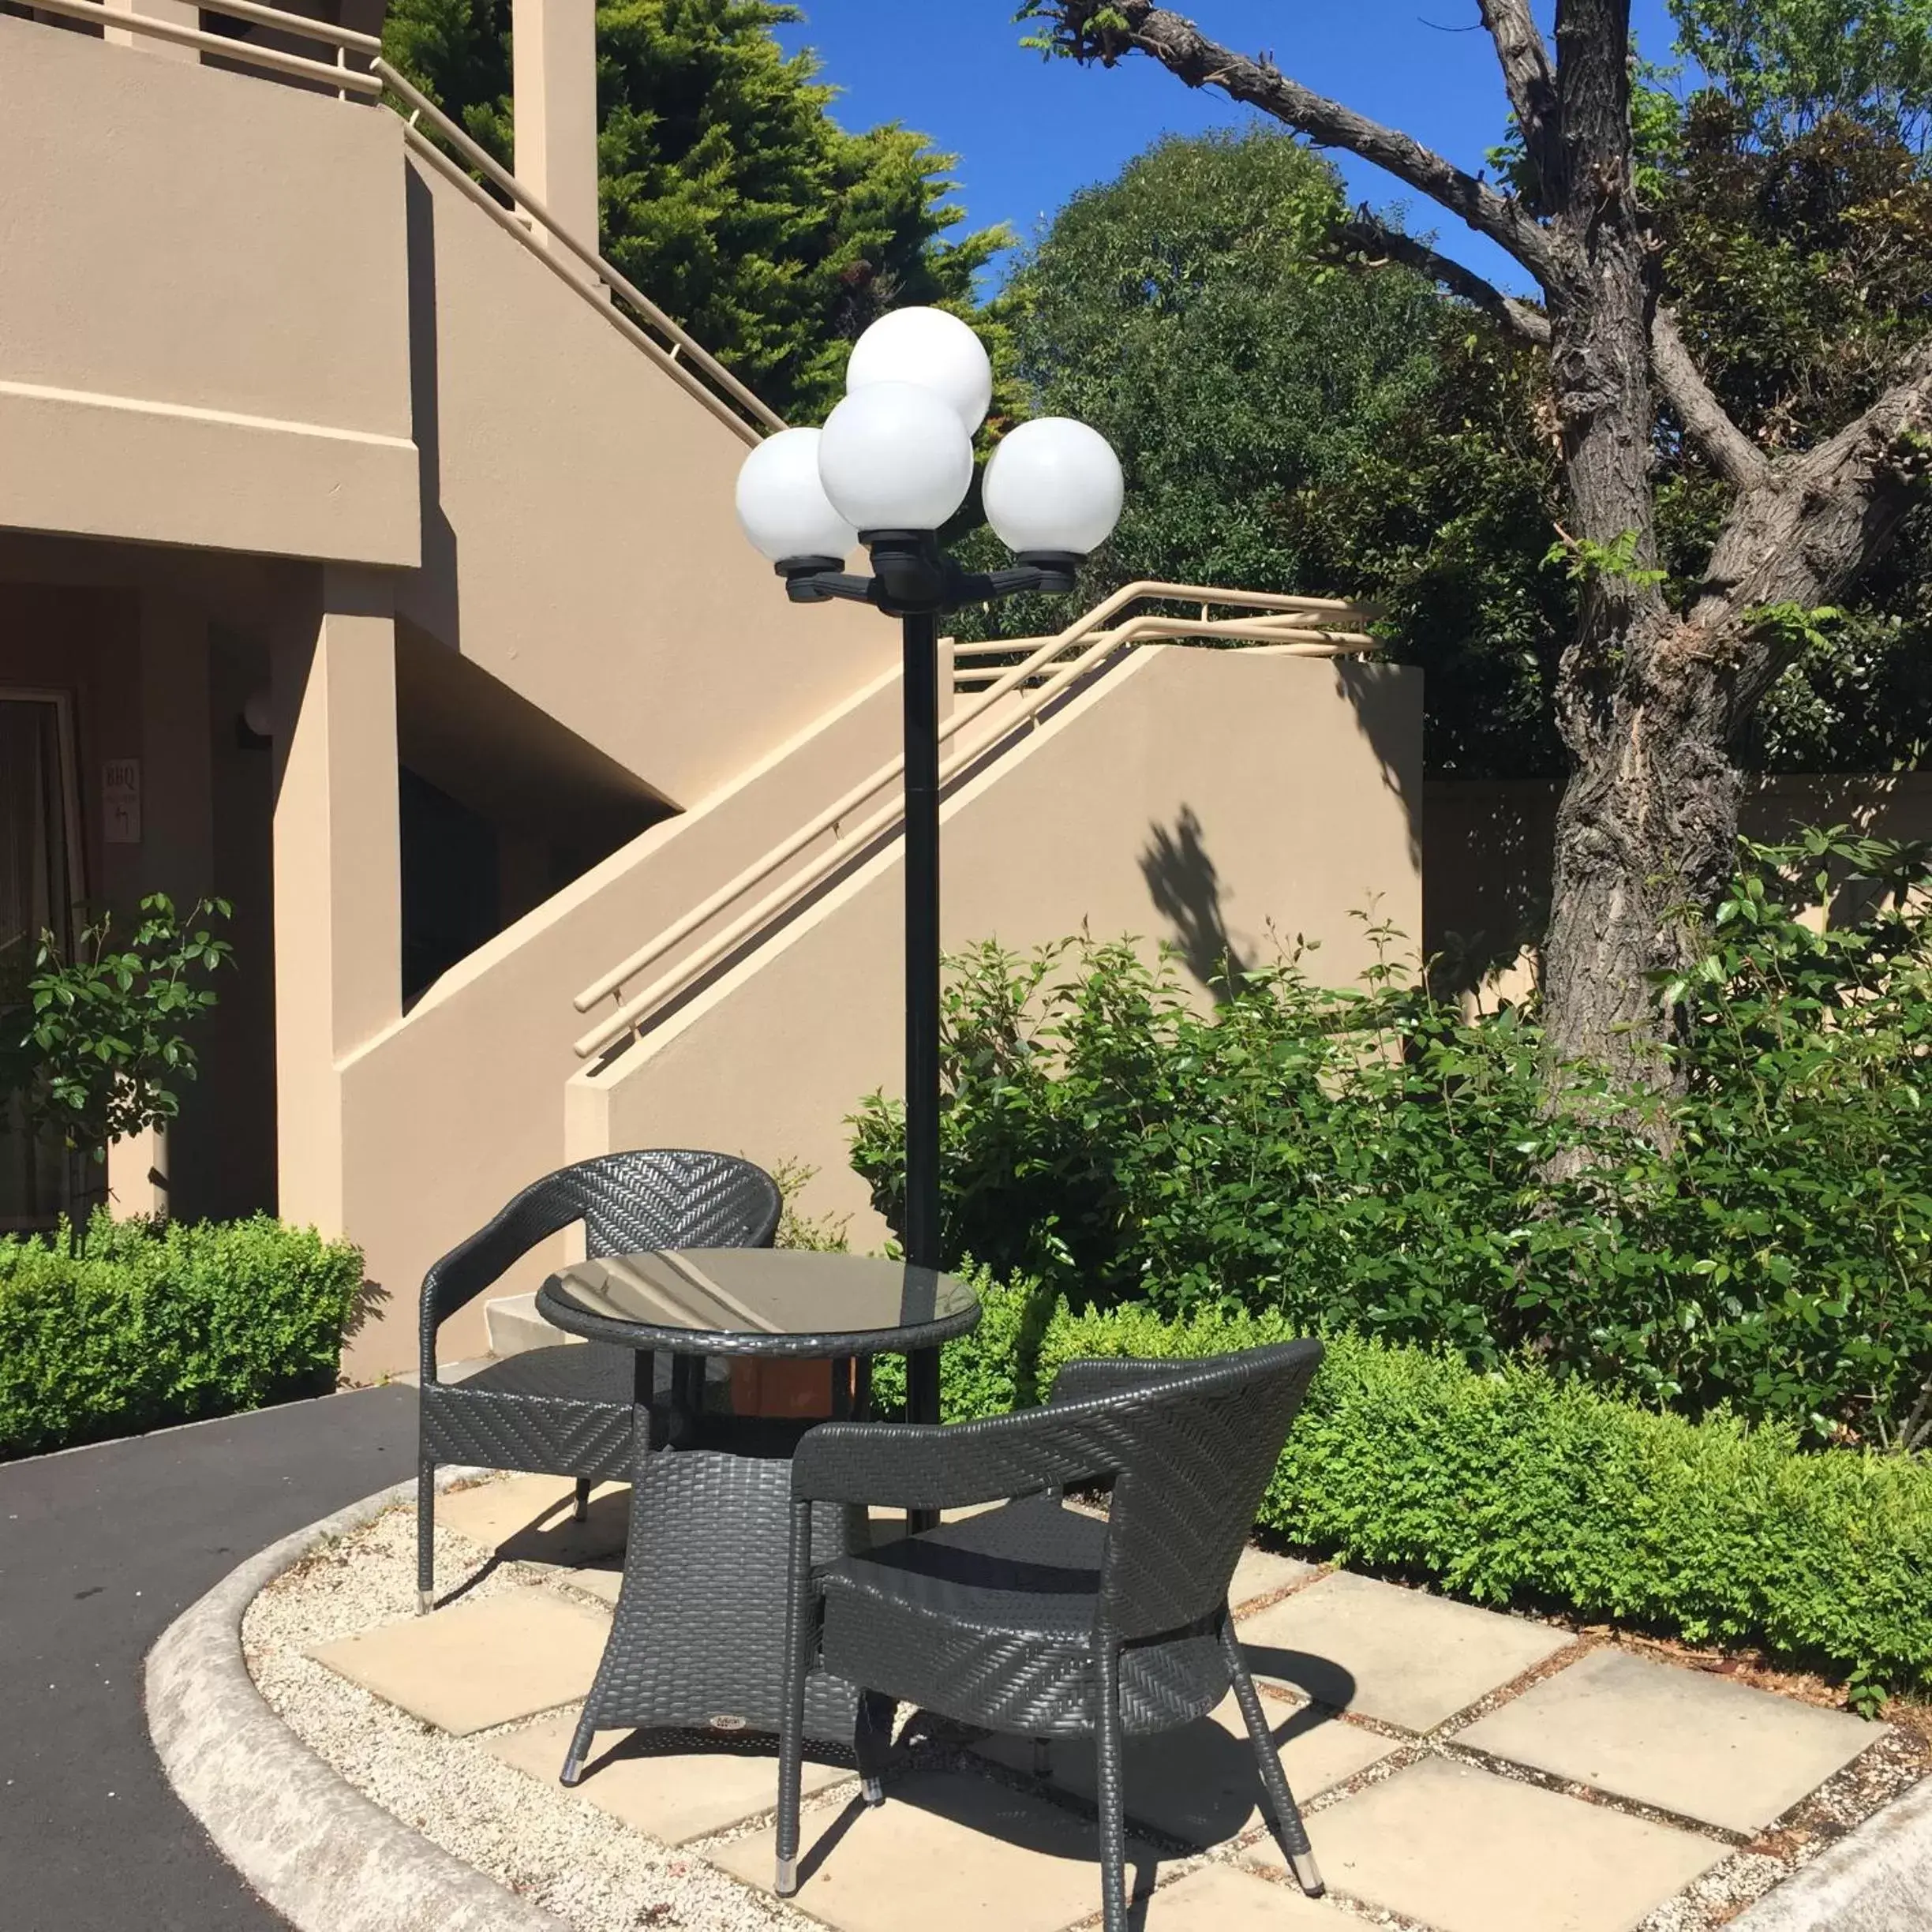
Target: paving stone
{"points": [[475, 1665], [1683, 1740], [1261, 1573], [1220, 1898], [1199, 1782], [528, 1519], [1463, 1851], [602, 1580], [672, 1795], [943, 1854], [1398, 1655]]}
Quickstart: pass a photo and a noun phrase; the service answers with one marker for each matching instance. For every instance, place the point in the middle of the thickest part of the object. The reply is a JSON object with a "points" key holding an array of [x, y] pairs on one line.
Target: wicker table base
{"points": [[698, 1640]]}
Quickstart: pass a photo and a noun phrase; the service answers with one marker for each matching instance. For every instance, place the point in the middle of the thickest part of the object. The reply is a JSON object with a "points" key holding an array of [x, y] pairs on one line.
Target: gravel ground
{"points": [[562, 1853], [556, 1850]]}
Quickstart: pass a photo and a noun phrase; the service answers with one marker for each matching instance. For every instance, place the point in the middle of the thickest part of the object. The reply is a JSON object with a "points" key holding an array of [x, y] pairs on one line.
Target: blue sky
{"points": [[1029, 133]]}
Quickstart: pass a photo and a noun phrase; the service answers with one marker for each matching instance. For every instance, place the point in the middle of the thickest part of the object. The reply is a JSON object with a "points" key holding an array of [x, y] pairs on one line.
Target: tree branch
{"points": [[1527, 74], [1365, 235], [1730, 452], [1185, 51], [1815, 522]]}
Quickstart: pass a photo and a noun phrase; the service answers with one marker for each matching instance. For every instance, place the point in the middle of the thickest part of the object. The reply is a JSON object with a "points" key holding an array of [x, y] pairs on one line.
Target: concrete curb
{"points": [[1878, 1879], [325, 1857]]}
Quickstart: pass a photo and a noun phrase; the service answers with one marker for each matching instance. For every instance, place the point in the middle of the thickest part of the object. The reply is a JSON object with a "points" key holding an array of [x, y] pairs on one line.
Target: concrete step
{"points": [[515, 1327]]}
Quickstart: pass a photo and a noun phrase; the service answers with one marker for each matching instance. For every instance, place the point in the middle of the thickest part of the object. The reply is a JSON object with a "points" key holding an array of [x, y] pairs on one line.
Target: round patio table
{"points": [[697, 1642]]}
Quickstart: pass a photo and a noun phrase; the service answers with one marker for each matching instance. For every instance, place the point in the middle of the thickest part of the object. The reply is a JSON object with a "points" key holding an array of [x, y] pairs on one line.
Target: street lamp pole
{"points": [[893, 463]]}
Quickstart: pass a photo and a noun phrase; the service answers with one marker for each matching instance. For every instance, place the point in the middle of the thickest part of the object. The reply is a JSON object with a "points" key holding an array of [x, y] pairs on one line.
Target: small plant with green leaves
{"points": [[98, 1047], [1372, 1157]]}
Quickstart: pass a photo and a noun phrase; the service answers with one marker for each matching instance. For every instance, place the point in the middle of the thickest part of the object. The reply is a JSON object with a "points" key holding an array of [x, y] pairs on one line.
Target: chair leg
{"points": [[581, 1740], [1286, 1814], [792, 1709], [425, 1533], [1108, 1746], [581, 1513], [872, 1736]]}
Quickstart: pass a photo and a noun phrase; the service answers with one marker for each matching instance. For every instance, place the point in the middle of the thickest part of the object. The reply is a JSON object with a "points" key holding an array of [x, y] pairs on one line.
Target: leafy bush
{"points": [[1374, 1158], [136, 1324], [1516, 1487]]}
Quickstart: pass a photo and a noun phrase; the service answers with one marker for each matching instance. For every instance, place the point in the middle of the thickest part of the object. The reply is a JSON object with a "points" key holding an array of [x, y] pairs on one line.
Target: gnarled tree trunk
{"points": [[1651, 696]]}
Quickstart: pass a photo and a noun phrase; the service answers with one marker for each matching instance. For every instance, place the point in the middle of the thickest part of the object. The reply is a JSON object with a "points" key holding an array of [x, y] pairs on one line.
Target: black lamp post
{"points": [[892, 464]]}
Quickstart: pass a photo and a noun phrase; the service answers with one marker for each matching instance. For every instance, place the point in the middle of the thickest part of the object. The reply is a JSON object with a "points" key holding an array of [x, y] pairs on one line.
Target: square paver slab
{"points": [[529, 1519], [1682, 1740], [480, 1664], [672, 1795], [943, 1854], [1220, 1898], [1261, 1573], [1465, 1852], [1199, 1782], [1398, 1655]]}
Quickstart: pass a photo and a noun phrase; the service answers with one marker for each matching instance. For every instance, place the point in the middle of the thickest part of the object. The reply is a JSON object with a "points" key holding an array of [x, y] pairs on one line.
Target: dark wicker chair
{"points": [[570, 1410], [1040, 1620]]}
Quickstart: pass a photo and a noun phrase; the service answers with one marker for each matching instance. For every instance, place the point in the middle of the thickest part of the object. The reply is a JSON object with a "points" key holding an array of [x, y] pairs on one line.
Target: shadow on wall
{"points": [[1386, 700], [437, 577], [1186, 886], [1490, 855]]}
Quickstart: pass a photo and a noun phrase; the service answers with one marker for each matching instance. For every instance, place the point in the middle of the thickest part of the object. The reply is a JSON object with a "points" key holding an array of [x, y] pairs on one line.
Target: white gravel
{"points": [[553, 1847]]}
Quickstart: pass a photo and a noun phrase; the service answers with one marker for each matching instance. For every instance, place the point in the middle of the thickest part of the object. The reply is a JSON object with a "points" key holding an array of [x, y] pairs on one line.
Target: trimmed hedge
{"points": [[1513, 1488], [139, 1324]]}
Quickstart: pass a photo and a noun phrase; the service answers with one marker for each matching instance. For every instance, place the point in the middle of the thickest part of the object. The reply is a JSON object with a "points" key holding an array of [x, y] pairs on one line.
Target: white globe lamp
{"points": [[895, 456], [931, 350], [1053, 487], [782, 506]]}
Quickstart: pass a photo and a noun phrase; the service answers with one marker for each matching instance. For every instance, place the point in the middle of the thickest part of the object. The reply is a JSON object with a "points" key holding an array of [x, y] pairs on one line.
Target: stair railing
{"points": [[1302, 627]]}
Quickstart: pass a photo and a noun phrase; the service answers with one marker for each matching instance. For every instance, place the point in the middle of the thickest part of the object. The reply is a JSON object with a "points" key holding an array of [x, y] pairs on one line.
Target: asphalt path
{"points": [[100, 1549]]}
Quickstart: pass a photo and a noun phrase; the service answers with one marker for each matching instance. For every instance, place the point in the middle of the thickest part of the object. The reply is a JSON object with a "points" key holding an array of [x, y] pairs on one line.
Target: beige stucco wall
{"points": [[1188, 794], [449, 1111], [204, 336], [579, 541]]}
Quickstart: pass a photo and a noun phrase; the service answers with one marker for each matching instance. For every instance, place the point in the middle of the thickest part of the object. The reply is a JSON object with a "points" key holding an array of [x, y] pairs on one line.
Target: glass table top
{"points": [[754, 1295]]}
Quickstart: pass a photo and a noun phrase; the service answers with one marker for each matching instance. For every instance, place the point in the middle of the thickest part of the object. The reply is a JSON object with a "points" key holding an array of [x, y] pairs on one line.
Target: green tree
{"points": [[1789, 64], [1286, 426], [729, 193], [1657, 683]]}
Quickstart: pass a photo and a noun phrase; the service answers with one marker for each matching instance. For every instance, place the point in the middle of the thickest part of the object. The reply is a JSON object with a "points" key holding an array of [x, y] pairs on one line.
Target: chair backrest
{"points": [[1195, 1451], [649, 1197]]}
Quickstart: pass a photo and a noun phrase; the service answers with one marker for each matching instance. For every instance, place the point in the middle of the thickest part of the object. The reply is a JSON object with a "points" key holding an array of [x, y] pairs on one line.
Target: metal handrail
{"points": [[687, 350], [344, 79], [1091, 640]]}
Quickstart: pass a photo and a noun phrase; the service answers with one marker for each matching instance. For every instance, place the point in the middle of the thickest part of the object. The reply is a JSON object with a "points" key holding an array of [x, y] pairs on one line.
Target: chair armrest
{"points": [[1094, 1376], [485, 1256], [932, 1465]]}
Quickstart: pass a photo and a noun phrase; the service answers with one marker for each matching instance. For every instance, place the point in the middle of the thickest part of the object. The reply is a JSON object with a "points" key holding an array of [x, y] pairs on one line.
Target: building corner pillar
{"points": [[338, 876]]}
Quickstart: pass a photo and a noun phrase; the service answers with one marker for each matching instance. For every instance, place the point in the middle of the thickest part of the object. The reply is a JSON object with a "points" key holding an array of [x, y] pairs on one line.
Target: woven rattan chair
{"points": [[1038, 1619], [570, 1410]]}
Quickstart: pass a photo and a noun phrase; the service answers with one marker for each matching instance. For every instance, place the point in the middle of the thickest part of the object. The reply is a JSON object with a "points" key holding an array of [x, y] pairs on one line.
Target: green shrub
{"points": [[1515, 1487], [1372, 1157], [138, 1324]]}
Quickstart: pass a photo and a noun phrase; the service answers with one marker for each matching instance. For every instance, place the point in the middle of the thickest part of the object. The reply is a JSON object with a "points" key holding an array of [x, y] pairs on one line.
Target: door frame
{"points": [[73, 840]]}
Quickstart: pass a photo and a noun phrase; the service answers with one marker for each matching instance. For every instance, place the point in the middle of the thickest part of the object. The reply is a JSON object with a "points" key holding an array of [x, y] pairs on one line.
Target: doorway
{"points": [[40, 888]]}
